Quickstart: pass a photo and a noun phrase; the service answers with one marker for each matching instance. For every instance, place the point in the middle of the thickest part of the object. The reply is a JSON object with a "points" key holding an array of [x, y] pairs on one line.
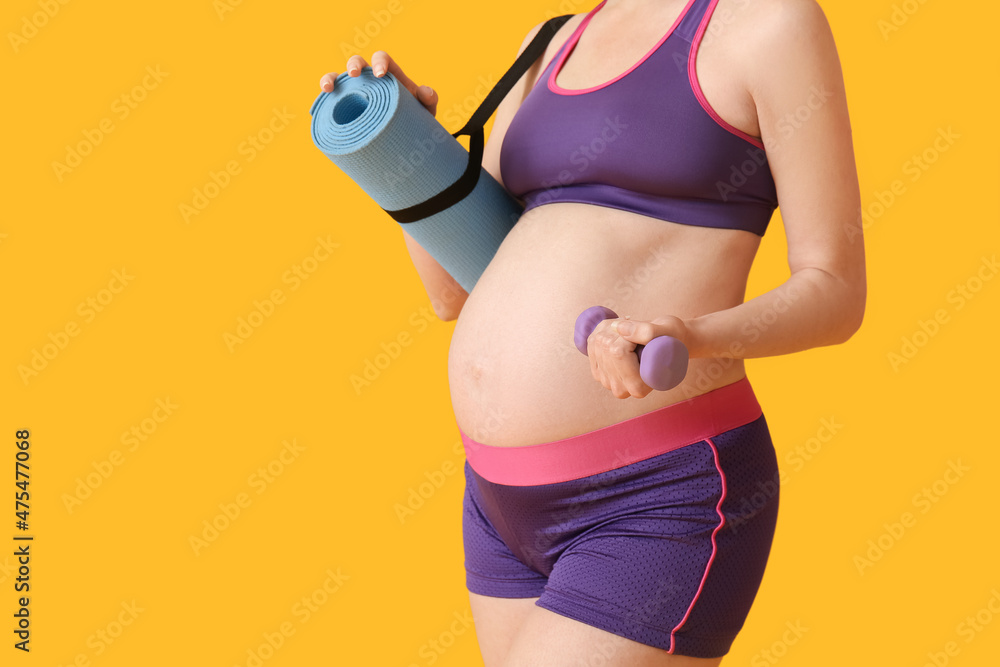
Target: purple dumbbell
{"points": [[663, 361]]}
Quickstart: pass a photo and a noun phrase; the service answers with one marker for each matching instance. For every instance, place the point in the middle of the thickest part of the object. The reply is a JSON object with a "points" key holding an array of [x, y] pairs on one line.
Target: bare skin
{"points": [[516, 377]]}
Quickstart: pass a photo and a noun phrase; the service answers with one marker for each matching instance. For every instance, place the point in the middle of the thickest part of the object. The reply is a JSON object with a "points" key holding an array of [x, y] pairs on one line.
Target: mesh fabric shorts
{"points": [[657, 528]]}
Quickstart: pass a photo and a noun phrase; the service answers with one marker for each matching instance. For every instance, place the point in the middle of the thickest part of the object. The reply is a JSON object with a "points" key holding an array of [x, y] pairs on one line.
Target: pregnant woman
{"points": [[606, 523]]}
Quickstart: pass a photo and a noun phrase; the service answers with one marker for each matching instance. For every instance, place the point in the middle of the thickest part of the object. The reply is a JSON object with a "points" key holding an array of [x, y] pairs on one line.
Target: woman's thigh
{"points": [[498, 620], [550, 639]]}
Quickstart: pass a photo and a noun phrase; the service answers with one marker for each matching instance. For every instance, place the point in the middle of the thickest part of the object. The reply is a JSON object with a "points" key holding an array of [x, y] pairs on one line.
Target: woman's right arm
{"points": [[446, 295]]}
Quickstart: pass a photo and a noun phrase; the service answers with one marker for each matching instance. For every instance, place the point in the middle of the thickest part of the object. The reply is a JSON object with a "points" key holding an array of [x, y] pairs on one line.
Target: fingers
{"points": [[355, 64], [326, 82], [613, 362], [381, 63], [429, 98]]}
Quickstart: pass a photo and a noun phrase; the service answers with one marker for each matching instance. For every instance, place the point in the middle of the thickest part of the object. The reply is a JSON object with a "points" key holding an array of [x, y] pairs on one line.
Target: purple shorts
{"points": [[657, 528]]}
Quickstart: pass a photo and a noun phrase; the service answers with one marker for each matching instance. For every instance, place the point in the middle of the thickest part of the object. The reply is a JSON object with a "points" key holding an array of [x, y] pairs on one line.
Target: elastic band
{"points": [[617, 445]]}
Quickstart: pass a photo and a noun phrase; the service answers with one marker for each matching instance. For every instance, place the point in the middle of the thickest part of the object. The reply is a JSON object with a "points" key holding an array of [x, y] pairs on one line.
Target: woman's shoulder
{"points": [[769, 37], [558, 39], [561, 35], [762, 21]]}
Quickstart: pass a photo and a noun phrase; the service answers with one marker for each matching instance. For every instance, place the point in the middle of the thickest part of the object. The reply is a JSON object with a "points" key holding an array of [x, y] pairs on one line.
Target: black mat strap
{"points": [[466, 183]]}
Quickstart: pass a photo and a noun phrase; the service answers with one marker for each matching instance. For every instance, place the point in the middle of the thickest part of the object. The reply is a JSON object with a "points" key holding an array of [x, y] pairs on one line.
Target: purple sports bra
{"points": [[646, 141]]}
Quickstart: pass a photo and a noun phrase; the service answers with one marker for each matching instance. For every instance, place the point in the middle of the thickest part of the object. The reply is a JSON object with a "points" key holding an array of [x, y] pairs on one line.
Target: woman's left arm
{"points": [[798, 88]]}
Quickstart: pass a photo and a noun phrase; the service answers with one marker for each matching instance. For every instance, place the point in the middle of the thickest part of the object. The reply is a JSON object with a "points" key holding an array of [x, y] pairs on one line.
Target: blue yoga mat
{"points": [[381, 136]]}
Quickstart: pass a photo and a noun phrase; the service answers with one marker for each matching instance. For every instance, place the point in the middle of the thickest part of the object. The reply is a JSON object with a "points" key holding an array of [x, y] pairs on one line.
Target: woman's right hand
{"points": [[382, 63]]}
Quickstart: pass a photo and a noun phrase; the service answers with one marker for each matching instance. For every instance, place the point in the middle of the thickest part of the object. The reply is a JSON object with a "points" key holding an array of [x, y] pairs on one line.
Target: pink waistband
{"points": [[617, 445]]}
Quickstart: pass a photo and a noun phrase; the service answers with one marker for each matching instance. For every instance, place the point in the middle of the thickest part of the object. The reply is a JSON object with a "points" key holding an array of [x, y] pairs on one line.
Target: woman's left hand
{"points": [[611, 350]]}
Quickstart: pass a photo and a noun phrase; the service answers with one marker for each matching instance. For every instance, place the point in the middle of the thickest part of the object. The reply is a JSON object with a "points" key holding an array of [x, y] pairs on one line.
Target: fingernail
{"points": [[353, 71], [379, 70]]}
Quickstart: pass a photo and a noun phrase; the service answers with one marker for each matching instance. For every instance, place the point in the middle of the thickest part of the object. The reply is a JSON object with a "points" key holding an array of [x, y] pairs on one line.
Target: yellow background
{"points": [[333, 507]]}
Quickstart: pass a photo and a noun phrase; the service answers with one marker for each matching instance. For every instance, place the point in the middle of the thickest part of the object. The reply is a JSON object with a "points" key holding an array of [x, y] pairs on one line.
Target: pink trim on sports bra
{"points": [[575, 37], [696, 87]]}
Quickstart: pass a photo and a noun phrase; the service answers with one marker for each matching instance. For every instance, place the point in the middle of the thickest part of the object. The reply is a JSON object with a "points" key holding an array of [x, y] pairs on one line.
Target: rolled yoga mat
{"points": [[381, 136]]}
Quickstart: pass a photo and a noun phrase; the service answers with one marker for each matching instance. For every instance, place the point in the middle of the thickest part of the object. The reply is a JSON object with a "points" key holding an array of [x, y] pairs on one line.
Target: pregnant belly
{"points": [[515, 375]]}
